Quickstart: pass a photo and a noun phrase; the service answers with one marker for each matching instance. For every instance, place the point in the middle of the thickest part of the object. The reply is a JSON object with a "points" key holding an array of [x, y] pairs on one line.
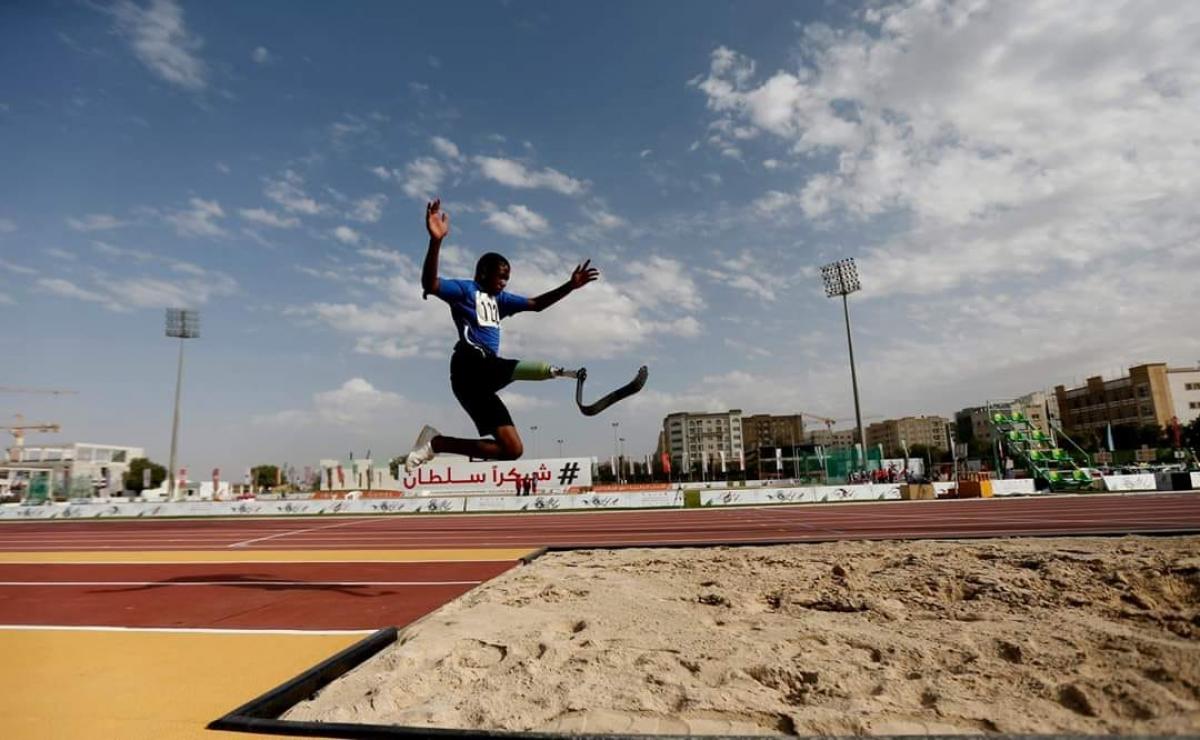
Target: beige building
{"points": [[1184, 384], [765, 430], [832, 438], [912, 430], [974, 423], [1149, 394], [79, 470], [693, 438]]}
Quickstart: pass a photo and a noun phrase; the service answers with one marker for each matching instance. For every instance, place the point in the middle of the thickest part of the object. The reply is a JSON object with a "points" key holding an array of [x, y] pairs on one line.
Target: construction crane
{"points": [[828, 422], [18, 432]]}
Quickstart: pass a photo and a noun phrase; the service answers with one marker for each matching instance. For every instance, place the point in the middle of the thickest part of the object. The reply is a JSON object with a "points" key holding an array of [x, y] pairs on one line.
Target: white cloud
{"points": [[377, 319], [67, 289], [357, 407], [61, 254], [446, 148], [516, 175], [288, 191], [659, 281], [6, 300], [383, 173], [355, 402], [518, 221], [599, 226], [7, 226], [18, 269], [773, 201], [260, 55], [1016, 141], [199, 220], [222, 168], [348, 127], [608, 318], [603, 219], [752, 274], [347, 235], [422, 178], [369, 209], [95, 222], [145, 280], [160, 292], [135, 255], [389, 347], [517, 401], [386, 255], [269, 218], [161, 41]]}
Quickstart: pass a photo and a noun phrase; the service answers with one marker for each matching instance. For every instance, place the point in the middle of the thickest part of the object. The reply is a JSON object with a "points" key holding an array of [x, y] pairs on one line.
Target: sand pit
{"points": [[1015, 636]]}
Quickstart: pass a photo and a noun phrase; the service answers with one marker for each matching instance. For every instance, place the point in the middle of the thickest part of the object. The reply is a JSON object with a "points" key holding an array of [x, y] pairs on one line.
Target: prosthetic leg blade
{"points": [[623, 392]]}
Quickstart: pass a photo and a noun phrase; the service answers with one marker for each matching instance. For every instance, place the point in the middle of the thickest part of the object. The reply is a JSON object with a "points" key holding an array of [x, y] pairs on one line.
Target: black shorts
{"points": [[475, 377]]}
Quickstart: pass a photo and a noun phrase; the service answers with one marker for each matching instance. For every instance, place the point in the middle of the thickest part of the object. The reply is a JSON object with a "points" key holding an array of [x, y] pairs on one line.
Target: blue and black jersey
{"points": [[477, 315]]}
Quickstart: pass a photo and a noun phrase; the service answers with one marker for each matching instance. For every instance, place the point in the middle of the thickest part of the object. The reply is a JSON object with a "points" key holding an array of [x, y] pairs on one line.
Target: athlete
{"points": [[477, 371]]}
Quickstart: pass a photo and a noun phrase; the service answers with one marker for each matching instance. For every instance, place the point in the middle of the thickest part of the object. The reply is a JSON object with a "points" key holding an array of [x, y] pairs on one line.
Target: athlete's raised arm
{"points": [[581, 276], [437, 223]]}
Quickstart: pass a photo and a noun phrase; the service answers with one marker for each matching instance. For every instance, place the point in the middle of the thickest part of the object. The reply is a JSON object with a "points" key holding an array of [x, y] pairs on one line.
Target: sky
{"points": [[1016, 181]]}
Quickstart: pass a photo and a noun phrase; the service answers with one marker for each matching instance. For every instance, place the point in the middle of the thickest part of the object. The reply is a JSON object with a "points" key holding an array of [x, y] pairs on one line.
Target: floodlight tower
{"points": [[183, 324], [841, 278]]}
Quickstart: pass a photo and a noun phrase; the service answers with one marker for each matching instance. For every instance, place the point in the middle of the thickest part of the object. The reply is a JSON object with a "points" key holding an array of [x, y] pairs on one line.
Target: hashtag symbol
{"points": [[568, 474]]}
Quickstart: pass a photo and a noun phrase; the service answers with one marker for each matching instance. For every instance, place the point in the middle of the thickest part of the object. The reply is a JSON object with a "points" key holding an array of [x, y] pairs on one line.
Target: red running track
{"points": [[368, 595], [302, 596], [1058, 515]]}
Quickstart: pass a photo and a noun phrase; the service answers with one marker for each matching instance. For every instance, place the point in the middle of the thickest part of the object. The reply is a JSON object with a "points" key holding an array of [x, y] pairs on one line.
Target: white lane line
{"points": [[201, 630], [245, 543], [239, 583]]}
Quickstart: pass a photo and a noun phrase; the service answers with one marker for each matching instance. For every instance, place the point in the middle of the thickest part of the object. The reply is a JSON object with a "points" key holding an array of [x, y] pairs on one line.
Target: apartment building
{"points": [[832, 438], [973, 423], [911, 430], [692, 438], [766, 431], [1150, 394]]}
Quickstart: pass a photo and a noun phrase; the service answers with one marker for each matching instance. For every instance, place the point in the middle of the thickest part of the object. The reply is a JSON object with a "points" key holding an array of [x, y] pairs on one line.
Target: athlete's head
{"points": [[491, 272]]}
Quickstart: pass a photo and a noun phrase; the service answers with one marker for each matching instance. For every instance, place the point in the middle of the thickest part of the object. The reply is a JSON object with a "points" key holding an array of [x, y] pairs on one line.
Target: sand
{"points": [[1079, 635]]}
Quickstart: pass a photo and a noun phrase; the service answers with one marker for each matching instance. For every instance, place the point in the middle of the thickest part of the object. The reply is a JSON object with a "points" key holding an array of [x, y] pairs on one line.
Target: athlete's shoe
{"points": [[422, 451]]}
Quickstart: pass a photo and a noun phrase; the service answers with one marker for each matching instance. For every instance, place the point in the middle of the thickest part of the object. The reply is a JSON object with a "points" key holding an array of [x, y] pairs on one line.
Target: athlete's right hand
{"points": [[437, 221]]}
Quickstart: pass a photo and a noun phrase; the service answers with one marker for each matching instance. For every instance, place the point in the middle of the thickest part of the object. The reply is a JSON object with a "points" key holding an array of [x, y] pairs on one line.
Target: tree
{"points": [[925, 452], [1133, 436], [133, 475], [264, 476], [1191, 434]]}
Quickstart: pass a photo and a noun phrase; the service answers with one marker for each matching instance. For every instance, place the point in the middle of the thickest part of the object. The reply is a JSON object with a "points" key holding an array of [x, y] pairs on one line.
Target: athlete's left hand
{"points": [[583, 275]]}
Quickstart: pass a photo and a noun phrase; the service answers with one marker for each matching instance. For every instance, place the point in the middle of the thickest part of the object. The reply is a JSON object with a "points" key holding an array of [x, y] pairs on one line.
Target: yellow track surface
{"points": [[132, 684], [263, 556]]}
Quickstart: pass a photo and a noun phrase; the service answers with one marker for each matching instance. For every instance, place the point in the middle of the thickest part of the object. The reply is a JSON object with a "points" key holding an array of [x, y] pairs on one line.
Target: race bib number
{"points": [[487, 313]]}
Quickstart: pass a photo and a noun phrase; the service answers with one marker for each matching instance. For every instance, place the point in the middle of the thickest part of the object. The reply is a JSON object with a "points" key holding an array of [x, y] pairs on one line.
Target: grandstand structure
{"points": [[1037, 450]]}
